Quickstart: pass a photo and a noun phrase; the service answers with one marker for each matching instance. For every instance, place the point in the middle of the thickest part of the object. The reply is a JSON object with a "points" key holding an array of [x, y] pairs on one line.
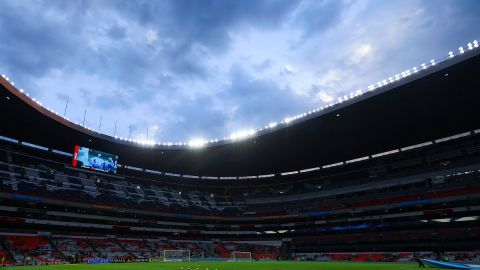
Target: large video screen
{"points": [[84, 157]]}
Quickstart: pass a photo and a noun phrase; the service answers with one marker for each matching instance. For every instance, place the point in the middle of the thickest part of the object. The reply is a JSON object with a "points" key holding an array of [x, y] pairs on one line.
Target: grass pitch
{"points": [[229, 266]]}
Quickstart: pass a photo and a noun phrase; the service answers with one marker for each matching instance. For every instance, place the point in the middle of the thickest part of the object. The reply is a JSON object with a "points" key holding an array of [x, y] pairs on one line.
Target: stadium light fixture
{"points": [[450, 53], [461, 50], [197, 143], [475, 43], [272, 125], [432, 62]]}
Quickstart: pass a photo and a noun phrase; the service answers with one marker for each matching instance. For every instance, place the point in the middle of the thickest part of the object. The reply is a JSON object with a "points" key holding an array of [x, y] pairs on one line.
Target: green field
{"points": [[230, 266]]}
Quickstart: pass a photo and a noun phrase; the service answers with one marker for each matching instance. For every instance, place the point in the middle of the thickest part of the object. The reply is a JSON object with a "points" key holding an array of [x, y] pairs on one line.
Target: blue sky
{"points": [[207, 69]]}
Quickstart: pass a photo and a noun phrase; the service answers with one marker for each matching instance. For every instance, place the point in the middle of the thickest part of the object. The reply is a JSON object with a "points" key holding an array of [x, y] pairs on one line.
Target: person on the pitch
{"points": [[419, 261]]}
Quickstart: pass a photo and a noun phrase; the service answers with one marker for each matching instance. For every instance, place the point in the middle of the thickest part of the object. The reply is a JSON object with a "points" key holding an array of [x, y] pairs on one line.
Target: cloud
{"points": [[324, 97], [117, 32], [151, 36], [288, 69], [259, 101], [208, 68], [361, 52], [315, 17]]}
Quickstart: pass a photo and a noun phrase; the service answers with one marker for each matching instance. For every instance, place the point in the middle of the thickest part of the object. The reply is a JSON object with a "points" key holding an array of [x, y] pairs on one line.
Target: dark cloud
{"points": [[33, 43], [64, 97], [318, 16], [197, 118], [268, 63], [209, 22], [259, 101], [110, 101], [117, 32], [137, 51]]}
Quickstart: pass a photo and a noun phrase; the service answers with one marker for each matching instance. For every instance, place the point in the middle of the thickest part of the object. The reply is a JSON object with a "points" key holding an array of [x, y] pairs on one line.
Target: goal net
{"points": [[177, 255], [238, 256]]}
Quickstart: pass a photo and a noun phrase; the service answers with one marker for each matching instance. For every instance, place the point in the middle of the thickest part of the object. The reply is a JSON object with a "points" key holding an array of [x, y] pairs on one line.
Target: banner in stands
{"points": [[97, 260], [84, 157]]}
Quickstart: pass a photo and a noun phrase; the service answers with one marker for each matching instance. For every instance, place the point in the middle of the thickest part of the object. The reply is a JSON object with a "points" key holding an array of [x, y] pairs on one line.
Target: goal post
{"points": [[238, 256], [176, 255]]}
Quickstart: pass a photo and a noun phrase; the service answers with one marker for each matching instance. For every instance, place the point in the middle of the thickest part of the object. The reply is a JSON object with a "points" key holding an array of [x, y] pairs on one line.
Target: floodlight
{"points": [[196, 143]]}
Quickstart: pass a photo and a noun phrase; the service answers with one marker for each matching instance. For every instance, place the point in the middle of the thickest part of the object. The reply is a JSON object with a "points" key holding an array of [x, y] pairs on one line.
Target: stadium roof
{"points": [[438, 102]]}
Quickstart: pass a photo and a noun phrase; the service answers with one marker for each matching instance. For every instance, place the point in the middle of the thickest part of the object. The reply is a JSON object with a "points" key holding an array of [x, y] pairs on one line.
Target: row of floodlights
{"points": [[197, 143]]}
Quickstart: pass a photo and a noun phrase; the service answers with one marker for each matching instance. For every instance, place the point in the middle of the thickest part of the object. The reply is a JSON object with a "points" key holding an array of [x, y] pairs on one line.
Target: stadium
{"points": [[300, 190], [382, 178]]}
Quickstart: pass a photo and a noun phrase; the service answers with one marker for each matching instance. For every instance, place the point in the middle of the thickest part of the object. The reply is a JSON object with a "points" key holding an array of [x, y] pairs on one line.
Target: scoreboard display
{"points": [[92, 159]]}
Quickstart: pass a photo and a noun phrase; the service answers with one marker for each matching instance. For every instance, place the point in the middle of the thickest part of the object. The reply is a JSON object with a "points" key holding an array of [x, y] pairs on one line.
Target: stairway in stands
{"points": [[222, 251], [56, 249], [5, 253], [286, 251]]}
